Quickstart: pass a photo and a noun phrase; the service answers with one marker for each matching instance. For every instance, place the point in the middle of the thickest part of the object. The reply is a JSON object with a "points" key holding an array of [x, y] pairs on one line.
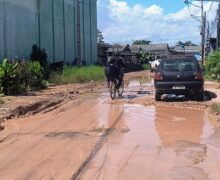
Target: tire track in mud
{"points": [[39, 140], [97, 147], [127, 160]]}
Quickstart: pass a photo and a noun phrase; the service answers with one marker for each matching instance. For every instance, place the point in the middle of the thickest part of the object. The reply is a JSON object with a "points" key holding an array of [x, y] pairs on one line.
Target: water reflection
{"points": [[140, 81], [180, 124]]}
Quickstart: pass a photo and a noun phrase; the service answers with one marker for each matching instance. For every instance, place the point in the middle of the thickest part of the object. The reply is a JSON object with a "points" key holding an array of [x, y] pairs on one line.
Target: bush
{"points": [[16, 78], [212, 64], [78, 75], [146, 57], [41, 56], [9, 77], [36, 76]]}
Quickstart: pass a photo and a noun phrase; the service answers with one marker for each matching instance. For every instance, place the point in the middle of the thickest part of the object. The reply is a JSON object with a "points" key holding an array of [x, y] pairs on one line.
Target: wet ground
{"points": [[95, 138]]}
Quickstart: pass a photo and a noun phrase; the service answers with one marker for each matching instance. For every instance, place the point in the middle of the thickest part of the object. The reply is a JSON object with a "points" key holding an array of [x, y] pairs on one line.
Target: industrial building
{"points": [[66, 29]]}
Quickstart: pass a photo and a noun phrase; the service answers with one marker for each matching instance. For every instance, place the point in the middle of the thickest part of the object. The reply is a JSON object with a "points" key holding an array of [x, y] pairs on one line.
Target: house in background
{"points": [[160, 50], [193, 50], [66, 29], [103, 49], [126, 52]]}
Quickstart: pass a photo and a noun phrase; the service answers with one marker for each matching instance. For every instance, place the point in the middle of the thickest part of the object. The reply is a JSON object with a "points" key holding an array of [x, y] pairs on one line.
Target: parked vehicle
{"points": [[180, 77], [154, 64]]}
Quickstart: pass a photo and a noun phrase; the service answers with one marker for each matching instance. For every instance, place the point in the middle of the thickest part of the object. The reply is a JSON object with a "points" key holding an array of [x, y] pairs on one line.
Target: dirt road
{"points": [[95, 138]]}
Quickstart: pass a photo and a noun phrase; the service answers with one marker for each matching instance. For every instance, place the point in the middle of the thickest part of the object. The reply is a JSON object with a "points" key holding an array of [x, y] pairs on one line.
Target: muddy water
{"points": [[141, 81], [157, 143]]}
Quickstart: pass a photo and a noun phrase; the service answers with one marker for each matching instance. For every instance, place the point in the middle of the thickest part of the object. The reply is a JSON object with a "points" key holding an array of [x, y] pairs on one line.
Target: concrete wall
{"points": [[52, 25]]}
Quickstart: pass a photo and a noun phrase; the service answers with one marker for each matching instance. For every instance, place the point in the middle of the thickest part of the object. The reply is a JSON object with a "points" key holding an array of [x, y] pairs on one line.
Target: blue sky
{"points": [[161, 21], [169, 6]]}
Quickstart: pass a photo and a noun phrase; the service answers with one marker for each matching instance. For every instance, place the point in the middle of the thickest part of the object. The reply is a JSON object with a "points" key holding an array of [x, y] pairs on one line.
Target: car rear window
{"points": [[179, 65]]}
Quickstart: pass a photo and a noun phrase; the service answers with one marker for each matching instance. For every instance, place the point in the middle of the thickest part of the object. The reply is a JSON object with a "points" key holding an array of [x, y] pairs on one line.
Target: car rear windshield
{"points": [[179, 65]]}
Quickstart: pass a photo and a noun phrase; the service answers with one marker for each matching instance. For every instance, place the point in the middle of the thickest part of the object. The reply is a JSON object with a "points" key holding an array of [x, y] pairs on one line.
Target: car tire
{"points": [[157, 96], [200, 96]]}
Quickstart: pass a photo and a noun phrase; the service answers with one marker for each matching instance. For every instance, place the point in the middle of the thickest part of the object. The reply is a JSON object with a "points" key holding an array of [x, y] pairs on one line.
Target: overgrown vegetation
{"points": [[78, 75], [9, 77], [212, 65], [18, 77]]}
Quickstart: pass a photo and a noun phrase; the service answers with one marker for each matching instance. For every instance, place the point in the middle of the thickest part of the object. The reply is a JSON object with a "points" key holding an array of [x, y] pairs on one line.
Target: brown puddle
{"points": [[142, 81], [157, 143]]}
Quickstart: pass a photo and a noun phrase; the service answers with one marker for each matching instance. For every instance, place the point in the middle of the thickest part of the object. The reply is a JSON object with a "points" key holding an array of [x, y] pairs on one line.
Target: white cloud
{"points": [[123, 23], [153, 10]]}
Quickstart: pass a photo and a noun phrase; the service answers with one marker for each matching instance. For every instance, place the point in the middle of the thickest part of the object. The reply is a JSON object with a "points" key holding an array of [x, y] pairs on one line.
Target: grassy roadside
{"points": [[78, 75]]}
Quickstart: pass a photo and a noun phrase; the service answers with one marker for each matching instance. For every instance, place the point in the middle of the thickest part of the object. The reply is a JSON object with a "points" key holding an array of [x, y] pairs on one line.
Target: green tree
{"points": [[100, 38], [186, 43], [141, 42]]}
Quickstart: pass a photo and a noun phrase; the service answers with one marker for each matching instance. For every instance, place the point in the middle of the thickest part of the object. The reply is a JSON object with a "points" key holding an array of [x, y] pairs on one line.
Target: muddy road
{"points": [[130, 138]]}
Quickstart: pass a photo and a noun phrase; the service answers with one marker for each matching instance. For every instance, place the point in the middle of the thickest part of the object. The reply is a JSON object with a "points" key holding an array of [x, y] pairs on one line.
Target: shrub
{"points": [[9, 77], [36, 76], [212, 64], [41, 56], [16, 78], [146, 57]]}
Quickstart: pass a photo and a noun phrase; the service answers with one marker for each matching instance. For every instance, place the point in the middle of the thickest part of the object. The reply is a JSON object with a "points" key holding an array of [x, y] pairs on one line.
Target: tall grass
{"points": [[78, 75]]}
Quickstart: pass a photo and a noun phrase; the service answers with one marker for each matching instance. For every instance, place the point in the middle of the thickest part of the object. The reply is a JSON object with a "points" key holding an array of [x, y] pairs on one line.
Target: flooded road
{"points": [[96, 139], [157, 143]]}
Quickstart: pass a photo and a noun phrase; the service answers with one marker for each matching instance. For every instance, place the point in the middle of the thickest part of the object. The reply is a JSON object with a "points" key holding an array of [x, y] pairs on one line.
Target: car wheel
{"points": [[157, 96], [200, 96]]}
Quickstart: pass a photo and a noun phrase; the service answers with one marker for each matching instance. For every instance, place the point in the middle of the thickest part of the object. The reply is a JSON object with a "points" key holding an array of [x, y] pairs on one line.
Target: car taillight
{"points": [[158, 76], [198, 76]]}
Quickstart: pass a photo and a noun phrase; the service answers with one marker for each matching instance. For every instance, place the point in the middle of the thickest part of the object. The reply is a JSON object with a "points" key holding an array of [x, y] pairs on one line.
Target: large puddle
{"points": [[157, 143]]}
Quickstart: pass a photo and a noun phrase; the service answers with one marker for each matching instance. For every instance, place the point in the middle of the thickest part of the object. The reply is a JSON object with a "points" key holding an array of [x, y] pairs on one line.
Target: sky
{"points": [[160, 21]]}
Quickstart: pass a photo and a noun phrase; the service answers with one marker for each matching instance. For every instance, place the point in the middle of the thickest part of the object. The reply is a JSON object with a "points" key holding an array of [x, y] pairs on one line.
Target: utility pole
{"points": [[203, 36], [202, 33], [203, 27], [208, 39], [218, 26], [78, 34]]}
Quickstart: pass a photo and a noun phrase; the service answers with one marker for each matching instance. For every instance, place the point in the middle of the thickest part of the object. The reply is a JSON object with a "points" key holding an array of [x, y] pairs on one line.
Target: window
{"points": [[171, 65], [179, 65]]}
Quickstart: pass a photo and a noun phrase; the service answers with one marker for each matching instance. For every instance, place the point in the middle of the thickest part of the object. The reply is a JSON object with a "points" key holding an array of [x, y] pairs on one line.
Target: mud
{"points": [[45, 100], [161, 143], [89, 136]]}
